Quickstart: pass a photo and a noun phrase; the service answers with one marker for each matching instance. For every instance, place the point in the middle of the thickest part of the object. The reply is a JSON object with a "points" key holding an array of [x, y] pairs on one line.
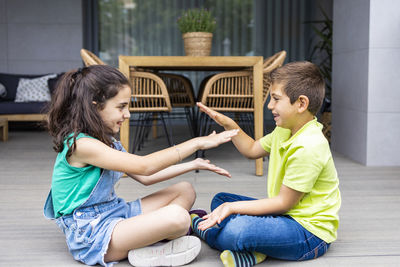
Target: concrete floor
{"points": [[369, 233]]}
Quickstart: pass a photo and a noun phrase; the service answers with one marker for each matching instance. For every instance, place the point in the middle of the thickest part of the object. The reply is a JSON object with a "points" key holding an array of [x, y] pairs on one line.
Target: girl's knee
{"points": [[187, 189], [177, 217]]}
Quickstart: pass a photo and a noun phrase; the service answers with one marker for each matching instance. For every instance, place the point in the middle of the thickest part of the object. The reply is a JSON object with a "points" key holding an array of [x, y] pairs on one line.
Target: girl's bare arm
{"points": [[93, 152], [178, 169]]}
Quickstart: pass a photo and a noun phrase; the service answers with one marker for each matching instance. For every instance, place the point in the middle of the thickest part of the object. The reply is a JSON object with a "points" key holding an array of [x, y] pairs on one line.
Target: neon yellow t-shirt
{"points": [[304, 163], [71, 186]]}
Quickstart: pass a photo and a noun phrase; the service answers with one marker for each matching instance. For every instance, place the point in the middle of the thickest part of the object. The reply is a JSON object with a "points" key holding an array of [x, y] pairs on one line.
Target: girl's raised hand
{"points": [[204, 164], [214, 139]]}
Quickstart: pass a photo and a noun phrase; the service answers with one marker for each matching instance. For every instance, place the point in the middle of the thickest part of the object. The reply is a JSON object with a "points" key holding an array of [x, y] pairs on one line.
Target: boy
{"points": [[299, 219]]}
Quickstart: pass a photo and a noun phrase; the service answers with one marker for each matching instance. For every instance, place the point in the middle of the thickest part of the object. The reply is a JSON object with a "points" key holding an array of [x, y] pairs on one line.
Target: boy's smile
{"points": [[282, 110], [287, 115]]}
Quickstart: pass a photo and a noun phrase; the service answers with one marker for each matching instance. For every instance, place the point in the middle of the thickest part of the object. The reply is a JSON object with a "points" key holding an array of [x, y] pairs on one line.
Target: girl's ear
{"points": [[303, 103], [94, 102]]}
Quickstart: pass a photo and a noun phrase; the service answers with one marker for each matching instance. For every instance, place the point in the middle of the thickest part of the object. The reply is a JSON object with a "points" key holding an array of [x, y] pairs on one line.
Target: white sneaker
{"points": [[176, 252]]}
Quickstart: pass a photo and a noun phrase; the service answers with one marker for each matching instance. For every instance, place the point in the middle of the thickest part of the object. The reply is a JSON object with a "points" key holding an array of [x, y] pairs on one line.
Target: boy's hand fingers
{"points": [[213, 114], [206, 216]]}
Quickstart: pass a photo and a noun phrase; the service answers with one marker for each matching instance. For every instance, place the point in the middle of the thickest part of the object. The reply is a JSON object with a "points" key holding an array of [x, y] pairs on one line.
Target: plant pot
{"points": [[197, 44]]}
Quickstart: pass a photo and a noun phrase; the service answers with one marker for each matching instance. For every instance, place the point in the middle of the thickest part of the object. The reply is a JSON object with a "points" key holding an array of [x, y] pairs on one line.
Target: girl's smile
{"points": [[116, 109]]}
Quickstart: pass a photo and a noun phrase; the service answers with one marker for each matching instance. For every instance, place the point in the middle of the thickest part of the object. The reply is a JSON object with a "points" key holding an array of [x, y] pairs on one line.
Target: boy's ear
{"points": [[303, 103]]}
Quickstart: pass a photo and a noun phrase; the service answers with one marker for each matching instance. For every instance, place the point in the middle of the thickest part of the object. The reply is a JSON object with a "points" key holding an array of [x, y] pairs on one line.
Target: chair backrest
{"points": [[90, 59], [149, 93], [179, 88], [229, 92], [233, 91]]}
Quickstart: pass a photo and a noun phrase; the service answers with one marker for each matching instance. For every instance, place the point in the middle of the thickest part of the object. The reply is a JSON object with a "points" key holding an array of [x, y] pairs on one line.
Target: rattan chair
{"points": [[232, 92], [181, 94], [90, 59], [149, 100]]}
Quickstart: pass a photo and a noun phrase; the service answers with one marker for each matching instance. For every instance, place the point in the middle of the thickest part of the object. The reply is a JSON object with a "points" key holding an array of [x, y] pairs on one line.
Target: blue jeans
{"points": [[279, 236]]}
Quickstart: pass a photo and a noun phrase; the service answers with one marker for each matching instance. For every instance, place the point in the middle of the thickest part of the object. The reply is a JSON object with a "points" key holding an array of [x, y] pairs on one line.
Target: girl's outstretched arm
{"points": [[93, 152], [178, 169]]}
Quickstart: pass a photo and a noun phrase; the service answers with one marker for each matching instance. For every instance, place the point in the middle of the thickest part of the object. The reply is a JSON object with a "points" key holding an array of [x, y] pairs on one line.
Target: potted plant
{"points": [[197, 26]]}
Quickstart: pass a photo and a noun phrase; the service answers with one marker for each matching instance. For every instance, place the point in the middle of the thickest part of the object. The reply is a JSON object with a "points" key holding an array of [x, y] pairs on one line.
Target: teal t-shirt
{"points": [[304, 163], [71, 186]]}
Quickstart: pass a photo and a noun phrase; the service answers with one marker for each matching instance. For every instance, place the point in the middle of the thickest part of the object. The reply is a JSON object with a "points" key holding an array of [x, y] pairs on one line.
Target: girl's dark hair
{"points": [[72, 110], [301, 78]]}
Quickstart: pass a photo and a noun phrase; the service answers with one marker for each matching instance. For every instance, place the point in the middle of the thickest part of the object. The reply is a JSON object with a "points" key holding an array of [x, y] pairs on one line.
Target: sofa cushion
{"points": [[3, 91], [10, 81], [34, 90], [11, 107]]}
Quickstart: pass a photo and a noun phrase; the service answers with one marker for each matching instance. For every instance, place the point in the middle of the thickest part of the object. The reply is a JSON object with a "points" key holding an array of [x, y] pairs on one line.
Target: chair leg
{"points": [[137, 130], [195, 116], [144, 130], [169, 138], [190, 121], [207, 128], [200, 130]]}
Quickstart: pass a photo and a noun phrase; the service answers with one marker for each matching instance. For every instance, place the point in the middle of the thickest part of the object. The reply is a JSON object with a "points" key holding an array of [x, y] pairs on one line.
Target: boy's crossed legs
{"points": [[276, 236]]}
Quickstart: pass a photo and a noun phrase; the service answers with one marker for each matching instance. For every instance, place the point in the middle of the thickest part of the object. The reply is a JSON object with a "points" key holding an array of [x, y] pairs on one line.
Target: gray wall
{"points": [[366, 81], [40, 36]]}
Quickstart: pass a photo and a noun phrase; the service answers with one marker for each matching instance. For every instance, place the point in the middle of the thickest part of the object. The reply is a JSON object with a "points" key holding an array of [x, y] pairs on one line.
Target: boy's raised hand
{"points": [[219, 118], [204, 164]]}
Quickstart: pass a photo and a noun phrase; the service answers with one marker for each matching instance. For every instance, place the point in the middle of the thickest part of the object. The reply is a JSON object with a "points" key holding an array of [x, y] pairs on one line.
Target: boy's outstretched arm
{"points": [[246, 145]]}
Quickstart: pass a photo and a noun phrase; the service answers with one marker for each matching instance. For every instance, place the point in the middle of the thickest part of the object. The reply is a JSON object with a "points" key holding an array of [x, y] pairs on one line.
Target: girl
{"points": [[87, 110]]}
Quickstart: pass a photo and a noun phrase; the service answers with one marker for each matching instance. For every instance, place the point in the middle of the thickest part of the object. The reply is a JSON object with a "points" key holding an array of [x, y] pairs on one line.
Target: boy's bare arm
{"points": [[280, 204], [246, 145]]}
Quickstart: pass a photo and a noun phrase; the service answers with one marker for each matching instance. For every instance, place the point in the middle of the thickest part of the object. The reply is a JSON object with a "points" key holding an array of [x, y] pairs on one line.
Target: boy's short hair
{"points": [[301, 78]]}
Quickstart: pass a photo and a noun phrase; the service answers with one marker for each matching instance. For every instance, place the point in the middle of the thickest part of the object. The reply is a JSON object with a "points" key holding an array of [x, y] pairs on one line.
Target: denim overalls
{"points": [[88, 229]]}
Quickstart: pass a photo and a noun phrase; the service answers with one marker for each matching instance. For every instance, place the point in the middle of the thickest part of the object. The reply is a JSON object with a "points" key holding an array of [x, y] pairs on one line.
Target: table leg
{"points": [[124, 134], [258, 109], [4, 126]]}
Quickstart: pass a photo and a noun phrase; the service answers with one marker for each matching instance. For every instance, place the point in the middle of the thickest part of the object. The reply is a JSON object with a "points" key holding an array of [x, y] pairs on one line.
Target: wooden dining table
{"points": [[211, 63]]}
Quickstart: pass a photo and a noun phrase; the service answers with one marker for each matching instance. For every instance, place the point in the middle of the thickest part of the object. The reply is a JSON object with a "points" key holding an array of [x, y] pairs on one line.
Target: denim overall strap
{"points": [[48, 209], [104, 189], [102, 192]]}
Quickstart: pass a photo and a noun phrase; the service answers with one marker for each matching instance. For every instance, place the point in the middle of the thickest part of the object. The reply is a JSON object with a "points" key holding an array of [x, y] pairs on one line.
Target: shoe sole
{"points": [[176, 252]]}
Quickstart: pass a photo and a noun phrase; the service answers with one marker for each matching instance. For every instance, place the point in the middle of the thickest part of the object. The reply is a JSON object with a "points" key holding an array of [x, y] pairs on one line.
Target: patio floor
{"points": [[369, 233]]}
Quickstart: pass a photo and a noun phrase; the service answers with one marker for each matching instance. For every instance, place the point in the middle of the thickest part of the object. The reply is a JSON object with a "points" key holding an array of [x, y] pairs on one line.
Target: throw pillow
{"points": [[3, 91], [34, 90]]}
